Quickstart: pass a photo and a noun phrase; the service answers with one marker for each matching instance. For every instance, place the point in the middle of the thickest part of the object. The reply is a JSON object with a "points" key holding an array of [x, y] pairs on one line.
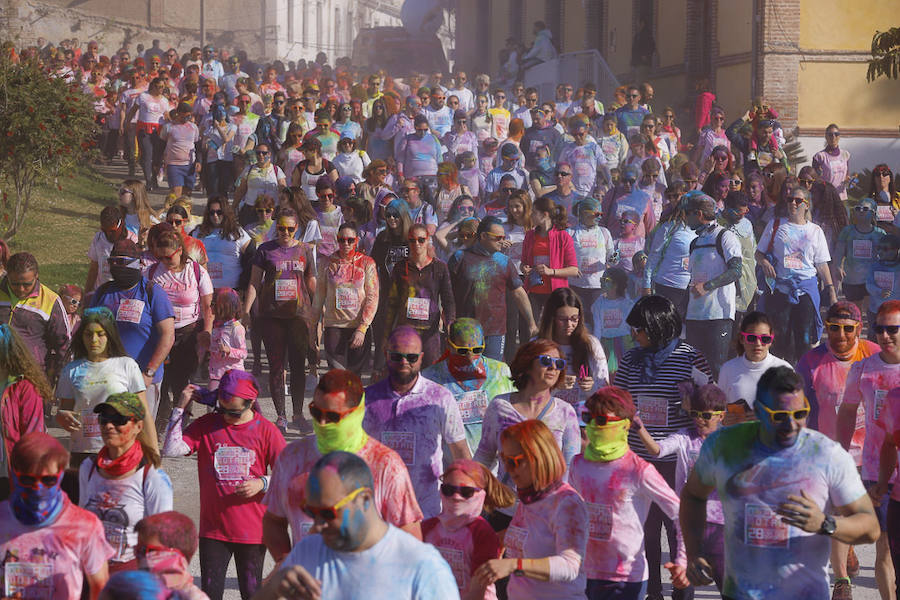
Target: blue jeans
{"points": [[602, 589], [493, 346]]}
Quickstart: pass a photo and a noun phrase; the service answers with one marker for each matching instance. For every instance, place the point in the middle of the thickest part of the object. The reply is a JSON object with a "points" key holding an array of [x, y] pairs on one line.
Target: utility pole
{"points": [[202, 23]]}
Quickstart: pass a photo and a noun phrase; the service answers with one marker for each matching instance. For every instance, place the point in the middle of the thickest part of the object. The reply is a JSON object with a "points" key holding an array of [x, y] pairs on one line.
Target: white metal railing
{"points": [[577, 68]]}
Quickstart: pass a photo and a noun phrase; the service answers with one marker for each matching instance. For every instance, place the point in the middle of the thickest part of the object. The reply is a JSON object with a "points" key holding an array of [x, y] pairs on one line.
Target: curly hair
{"points": [[18, 361]]}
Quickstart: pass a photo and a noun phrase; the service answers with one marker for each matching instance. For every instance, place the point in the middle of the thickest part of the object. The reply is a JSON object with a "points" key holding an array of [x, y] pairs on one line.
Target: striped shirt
{"points": [[659, 401]]}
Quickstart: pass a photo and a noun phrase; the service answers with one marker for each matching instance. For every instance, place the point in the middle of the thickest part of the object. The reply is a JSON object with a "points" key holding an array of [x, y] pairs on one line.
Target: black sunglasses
{"points": [[115, 418], [398, 357], [836, 327], [599, 420], [463, 490], [889, 329], [219, 212]]}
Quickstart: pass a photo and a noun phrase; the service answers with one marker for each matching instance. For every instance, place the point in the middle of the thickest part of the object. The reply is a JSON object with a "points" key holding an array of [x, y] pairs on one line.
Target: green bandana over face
{"points": [[347, 434], [607, 442]]}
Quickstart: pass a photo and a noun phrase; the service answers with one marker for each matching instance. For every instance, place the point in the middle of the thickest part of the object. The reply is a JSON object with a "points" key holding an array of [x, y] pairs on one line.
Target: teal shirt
{"points": [[472, 400]]}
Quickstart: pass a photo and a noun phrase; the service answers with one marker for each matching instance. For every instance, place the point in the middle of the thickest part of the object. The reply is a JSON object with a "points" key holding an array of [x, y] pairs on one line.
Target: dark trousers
{"points": [[151, 147], [515, 326], [656, 520], [893, 533], [181, 364], [219, 177], [339, 354], [214, 558], [794, 324], [678, 296], [129, 147], [711, 337], [602, 589], [286, 338]]}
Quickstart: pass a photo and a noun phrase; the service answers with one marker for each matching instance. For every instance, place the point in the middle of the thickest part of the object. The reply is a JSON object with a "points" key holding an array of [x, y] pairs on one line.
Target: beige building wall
{"points": [[671, 19], [619, 37]]}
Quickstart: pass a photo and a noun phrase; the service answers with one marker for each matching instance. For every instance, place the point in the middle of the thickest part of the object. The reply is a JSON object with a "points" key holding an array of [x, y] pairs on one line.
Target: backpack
{"points": [[718, 246]]}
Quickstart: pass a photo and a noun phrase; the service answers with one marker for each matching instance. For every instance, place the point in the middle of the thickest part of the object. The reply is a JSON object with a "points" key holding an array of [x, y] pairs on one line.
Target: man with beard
{"points": [[357, 552], [415, 417], [774, 477], [824, 370], [471, 377], [144, 315]]}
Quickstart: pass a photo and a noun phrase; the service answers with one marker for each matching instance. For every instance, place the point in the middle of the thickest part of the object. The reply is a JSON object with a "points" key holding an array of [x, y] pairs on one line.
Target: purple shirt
{"points": [[415, 425], [419, 156]]}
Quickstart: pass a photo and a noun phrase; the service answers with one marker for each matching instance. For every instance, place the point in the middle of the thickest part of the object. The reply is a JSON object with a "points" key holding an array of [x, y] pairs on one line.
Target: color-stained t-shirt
{"points": [[480, 281], [464, 549], [685, 445], [283, 293], [347, 291], [394, 494]]}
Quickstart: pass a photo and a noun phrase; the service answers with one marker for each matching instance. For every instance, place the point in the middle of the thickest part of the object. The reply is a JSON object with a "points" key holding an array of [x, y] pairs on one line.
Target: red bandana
{"points": [[116, 467]]}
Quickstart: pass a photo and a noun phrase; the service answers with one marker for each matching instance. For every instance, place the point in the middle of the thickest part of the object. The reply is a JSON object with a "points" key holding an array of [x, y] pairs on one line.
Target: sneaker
{"points": [[842, 590], [281, 423], [302, 424], [852, 564]]}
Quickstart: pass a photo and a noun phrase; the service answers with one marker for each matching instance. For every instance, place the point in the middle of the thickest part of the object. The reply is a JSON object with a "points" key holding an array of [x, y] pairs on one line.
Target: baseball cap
{"points": [[510, 151], [127, 404], [843, 310], [125, 247]]}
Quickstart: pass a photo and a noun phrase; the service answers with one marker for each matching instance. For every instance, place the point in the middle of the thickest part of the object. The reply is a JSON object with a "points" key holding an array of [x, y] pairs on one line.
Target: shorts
{"points": [[180, 176], [854, 291], [881, 510]]}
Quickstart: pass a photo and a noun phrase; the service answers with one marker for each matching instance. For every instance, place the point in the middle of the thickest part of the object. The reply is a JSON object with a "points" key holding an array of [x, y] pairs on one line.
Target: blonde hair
{"points": [[544, 456], [496, 495], [141, 201]]}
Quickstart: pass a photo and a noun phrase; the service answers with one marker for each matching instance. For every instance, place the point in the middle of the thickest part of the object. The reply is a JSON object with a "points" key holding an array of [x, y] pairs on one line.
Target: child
{"points": [[228, 343], [470, 176], [881, 282], [166, 542], [71, 294], [706, 405], [854, 251], [462, 536], [618, 487], [636, 277], [629, 242], [609, 313], [594, 249]]}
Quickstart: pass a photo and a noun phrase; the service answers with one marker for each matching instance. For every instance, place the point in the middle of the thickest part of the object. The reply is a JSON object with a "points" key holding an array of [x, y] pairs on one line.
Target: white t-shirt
{"points": [[738, 377], [180, 139], [150, 109], [351, 164], [89, 384], [766, 559], [99, 252], [594, 248], [797, 250], [183, 289], [706, 263], [121, 503], [399, 566]]}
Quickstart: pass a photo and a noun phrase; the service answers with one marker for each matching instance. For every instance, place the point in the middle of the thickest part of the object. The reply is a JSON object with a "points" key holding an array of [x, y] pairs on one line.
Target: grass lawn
{"points": [[60, 225]]}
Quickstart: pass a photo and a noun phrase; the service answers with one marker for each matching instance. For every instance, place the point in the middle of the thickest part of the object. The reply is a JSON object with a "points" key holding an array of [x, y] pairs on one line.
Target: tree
{"points": [[47, 128], [885, 61]]}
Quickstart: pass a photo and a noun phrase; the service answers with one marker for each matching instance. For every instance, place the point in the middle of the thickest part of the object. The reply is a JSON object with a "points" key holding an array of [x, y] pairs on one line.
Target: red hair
{"points": [[37, 450], [336, 381], [540, 448], [520, 367], [612, 399], [888, 307]]}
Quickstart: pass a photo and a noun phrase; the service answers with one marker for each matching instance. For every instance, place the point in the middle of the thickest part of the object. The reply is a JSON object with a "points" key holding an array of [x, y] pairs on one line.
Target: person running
{"points": [[38, 517], [775, 477], [235, 447], [357, 551], [123, 483], [338, 407], [618, 488], [415, 417]]}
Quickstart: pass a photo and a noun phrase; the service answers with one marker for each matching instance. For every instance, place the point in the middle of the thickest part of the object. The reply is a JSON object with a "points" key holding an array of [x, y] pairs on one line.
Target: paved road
{"points": [[183, 471]]}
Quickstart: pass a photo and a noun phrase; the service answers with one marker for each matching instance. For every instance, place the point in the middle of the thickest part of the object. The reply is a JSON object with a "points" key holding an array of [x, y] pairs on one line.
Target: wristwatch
{"points": [[149, 371], [828, 526], [519, 571]]}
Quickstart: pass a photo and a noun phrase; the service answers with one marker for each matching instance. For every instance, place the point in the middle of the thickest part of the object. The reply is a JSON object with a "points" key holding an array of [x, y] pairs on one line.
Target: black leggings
{"points": [[181, 364], [214, 558], [286, 337], [339, 354], [794, 325], [893, 533], [656, 520], [678, 296]]}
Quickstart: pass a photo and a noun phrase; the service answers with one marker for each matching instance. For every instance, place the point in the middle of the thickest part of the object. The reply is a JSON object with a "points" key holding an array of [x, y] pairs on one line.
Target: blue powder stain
{"points": [[344, 532]]}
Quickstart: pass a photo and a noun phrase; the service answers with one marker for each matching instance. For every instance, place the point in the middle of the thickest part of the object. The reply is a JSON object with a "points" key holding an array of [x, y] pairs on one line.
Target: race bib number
{"points": [[457, 561], [612, 318], [609, 148], [589, 241], [90, 424], [686, 263], [232, 463], [763, 528], [215, 270], [793, 261], [28, 580], [654, 411], [583, 169], [180, 313], [472, 406], [884, 213], [403, 443], [862, 249], [346, 298], [600, 517], [515, 540], [286, 290], [130, 310], [880, 396], [418, 308], [884, 279]]}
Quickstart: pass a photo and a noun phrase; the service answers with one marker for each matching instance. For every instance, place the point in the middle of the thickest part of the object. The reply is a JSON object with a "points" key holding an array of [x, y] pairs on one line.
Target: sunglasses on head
{"points": [[552, 362], [464, 350], [32, 481], [329, 416], [753, 338], [512, 462], [399, 357], [465, 491], [115, 418], [599, 420], [836, 327], [706, 415], [782, 416], [330, 513], [889, 329]]}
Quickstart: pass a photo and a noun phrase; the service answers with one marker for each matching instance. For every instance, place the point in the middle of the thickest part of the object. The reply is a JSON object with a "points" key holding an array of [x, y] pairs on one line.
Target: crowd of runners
{"points": [[584, 323]]}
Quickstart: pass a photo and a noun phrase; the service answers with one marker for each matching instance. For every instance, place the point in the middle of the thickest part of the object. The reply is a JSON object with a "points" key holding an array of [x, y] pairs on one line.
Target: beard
{"points": [[404, 378]]}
